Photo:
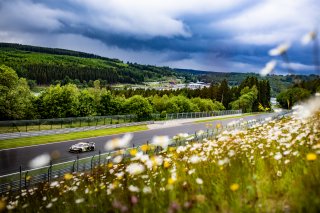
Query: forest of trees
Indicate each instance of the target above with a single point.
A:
(221, 92)
(47, 65)
(298, 92)
(57, 101)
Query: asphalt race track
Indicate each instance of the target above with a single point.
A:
(11, 159)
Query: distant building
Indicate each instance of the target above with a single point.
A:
(273, 101)
(198, 85)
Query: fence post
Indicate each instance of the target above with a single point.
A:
(25, 180)
(20, 180)
(99, 157)
(77, 163)
(147, 147)
(73, 167)
(92, 162)
(49, 172)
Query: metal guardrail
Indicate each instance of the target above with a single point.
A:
(29, 178)
(100, 125)
(69, 130)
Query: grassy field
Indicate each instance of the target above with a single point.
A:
(273, 167)
(27, 141)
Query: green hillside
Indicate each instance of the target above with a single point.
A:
(49, 65)
(45, 65)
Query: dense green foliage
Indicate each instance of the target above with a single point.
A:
(278, 83)
(298, 92)
(221, 92)
(70, 101)
(246, 100)
(15, 96)
(291, 96)
(47, 65)
(17, 101)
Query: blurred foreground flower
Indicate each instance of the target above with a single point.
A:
(199, 181)
(2, 205)
(135, 169)
(163, 141)
(279, 50)
(133, 188)
(133, 152)
(308, 37)
(117, 143)
(39, 161)
(311, 156)
(68, 176)
(234, 187)
(269, 67)
(80, 200)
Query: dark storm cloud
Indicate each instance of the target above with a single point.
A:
(200, 34)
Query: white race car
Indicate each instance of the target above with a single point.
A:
(82, 147)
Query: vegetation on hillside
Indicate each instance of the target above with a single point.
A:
(221, 92)
(273, 167)
(278, 83)
(69, 101)
(17, 101)
(47, 65)
(298, 92)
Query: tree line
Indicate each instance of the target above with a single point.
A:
(220, 92)
(300, 91)
(48, 65)
(59, 101)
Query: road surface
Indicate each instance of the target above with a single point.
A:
(12, 159)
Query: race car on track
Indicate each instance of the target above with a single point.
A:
(82, 147)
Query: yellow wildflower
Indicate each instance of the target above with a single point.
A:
(311, 156)
(234, 187)
(144, 147)
(115, 184)
(166, 164)
(110, 165)
(133, 152)
(68, 176)
(171, 181)
(28, 177)
(171, 149)
(218, 126)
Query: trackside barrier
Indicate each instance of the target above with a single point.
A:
(29, 128)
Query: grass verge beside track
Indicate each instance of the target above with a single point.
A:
(28, 141)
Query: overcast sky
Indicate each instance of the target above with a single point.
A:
(211, 35)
